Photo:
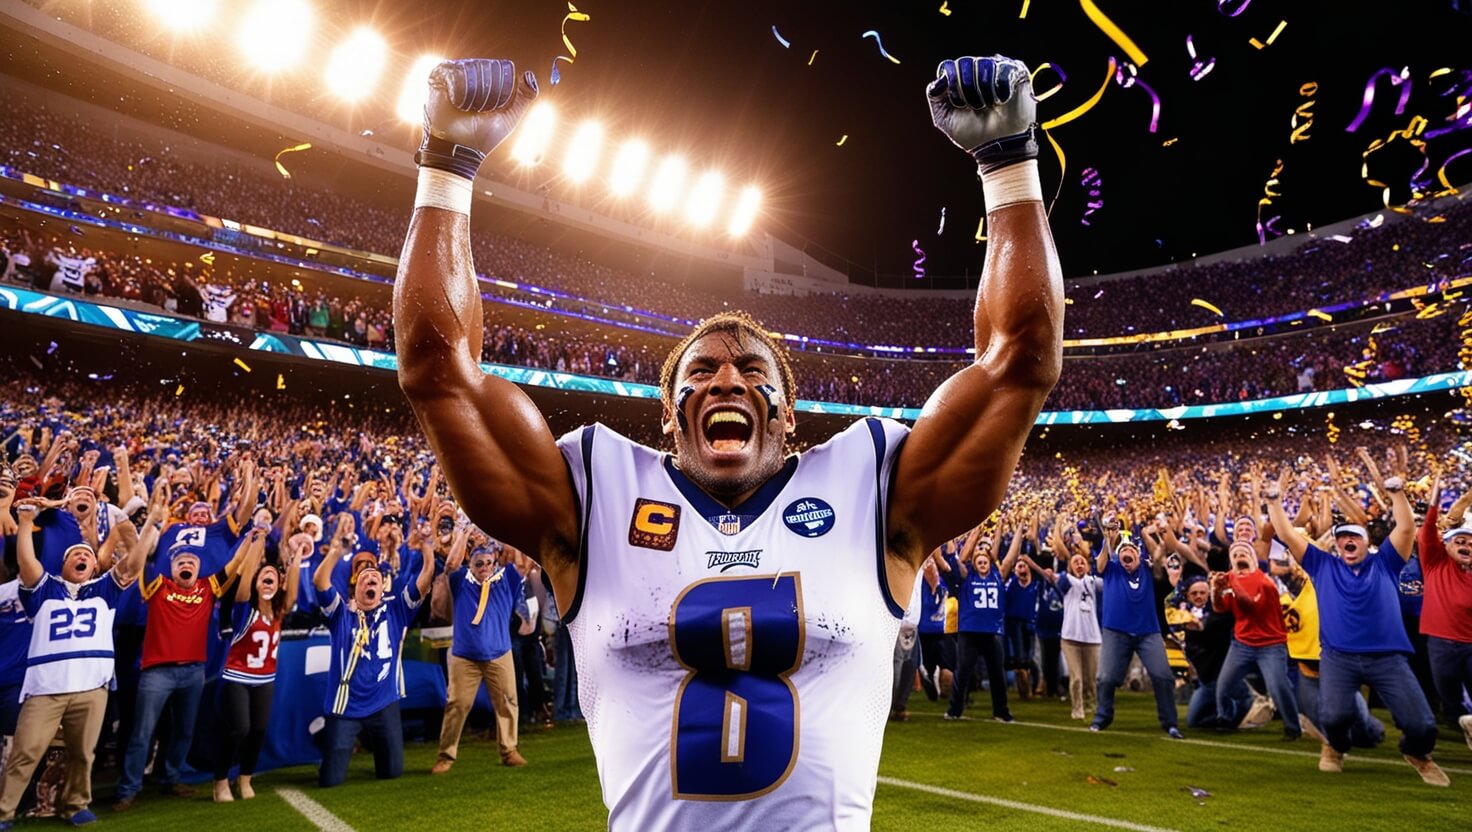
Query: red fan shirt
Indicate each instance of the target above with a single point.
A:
(1254, 603)
(178, 619)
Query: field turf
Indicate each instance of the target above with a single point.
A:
(1130, 774)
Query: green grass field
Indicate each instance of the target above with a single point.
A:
(1255, 780)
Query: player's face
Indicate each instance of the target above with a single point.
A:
(185, 570)
(368, 590)
(268, 581)
(729, 433)
(79, 565)
(1352, 548)
(1198, 594)
(1460, 549)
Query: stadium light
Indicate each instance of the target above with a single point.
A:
(274, 34)
(628, 167)
(669, 181)
(534, 135)
(745, 213)
(183, 15)
(705, 198)
(410, 107)
(356, 63)
(582, 152)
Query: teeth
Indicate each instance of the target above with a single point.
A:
(726, 416)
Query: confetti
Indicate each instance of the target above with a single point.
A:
(1441, 171)
(1282, 24)
(942, 228)
(880, 44)
(1200, 69)
(282, 168)
(179, 391)
(842, 140)
(1412, 134)
(1045, 95)
(1132, 80)
(1169, 142)
(1208, 306)
(1321, 315)
(981, 229)
(946, 10)
(1087, 105)
(812, 57)
(1199, 794)
(786, 44)
(242, 365)
(575, 16)
(1401, 79)
(280, 382)
(919, 262)
(1114, 32)
(1304, 111)
(1223, 5)
(1022, 15)
(1092, 185)
(208, 258)
(1267, 199)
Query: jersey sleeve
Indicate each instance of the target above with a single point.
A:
(32, 597)
(152, 580)
(330, 601)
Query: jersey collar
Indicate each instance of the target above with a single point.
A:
(746, 513)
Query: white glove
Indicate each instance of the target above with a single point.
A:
(985, 106)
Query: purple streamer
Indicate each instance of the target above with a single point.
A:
(1092, 184)
(1221, 6)
(1134, 80)
(919, 263)
(1268, 226)
(1400, 79)
(1201, 68)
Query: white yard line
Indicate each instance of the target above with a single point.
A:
(1021, 807)
(314, 812)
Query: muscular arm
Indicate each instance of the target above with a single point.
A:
(961, 453)
(497, 452)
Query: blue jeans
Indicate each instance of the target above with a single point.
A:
(183, 683)
(565, 680)
(1340, 677)
(1272, 663)
(1208, 710)
(383, 734)
(1020, 633)
(1451, 668)
(1114, 663)
(1365, 731)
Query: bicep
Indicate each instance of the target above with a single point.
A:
(501, 460)
(960, 456)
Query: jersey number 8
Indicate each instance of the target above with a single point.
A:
(740, 638)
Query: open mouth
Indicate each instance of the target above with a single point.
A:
(1240, 566)
(370, 594)
(727, 431)
(186, 574)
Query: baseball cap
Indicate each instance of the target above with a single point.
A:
(1451, 533)
(1351, 528)
(312, 518)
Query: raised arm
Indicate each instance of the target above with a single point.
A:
(245, 493)
(1292, 538)
(1404, 533)
(1014, 549)
(961, 454)
(254, 549)
(25, 548)
(515, 484)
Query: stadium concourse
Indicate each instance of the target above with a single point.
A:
(256, 568)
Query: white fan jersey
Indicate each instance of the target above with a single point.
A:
(71, 647)
(734, 665)
(71, 272)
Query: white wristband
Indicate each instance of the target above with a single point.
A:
(1011, 185)
(442, 189)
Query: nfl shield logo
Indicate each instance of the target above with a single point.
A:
(728, 524)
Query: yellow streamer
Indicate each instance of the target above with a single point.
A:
(1116, 34)
(1023, 14)
(1321, 315)
(981, 229)
(944, 8)
(282, 168)
(812, 57)
(1051, 90)
(1411, 133)
(1087, 105)
(575, 16)
(842, 140)
(1208, 306)
(242, 365)
(1282, 24)
(1304, 111)
(280, 382)
(1062, 168)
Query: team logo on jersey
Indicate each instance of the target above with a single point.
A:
(655, 525)
(728, 524)
(809, 517)
(726, 560)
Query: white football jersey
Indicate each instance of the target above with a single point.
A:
(734, 665)
(71, 272)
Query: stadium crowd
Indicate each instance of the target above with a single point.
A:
(357, 313)
(1280, 572)
(1375, 259)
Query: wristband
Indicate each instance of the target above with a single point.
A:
(445, 155)
(444, 190)
(1394, 484)
(1012, 184)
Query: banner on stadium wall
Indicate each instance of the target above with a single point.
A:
(87, 312)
